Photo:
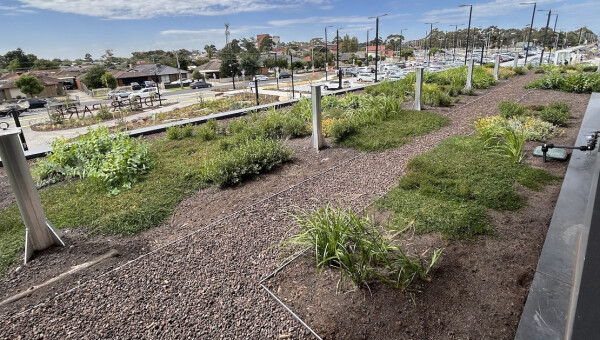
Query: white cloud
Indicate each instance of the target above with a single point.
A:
(14, 10)
(329, 20)
(137, 9)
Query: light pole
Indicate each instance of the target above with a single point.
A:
(377, 41)
(232, 75)
(367, 48)
(326, 49)
(430, 34)
(579, 39)
(455, 33)
(401, 37)
(157, 87)
(468, 30)
(337, 38)
(553, 33)
(530, 27)
(545, 32)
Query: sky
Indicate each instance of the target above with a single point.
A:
(68, 29)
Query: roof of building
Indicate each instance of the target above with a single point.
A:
(145, 70)
(9, 83)
(212, 66)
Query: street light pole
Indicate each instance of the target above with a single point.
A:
(553, 33)
(232, 75)
(377, 41)
(468, 30)
(455, 33)
(401, 37)
(367, 50)
(530, 27)
(430, 34)
(326, 51)
(157, 87)
(337, 33)
(545, 33)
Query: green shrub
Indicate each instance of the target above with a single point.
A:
(117, 161)
(434, 96)
(574, 82)
(508, 109)
(104, 113)
(529, 66)
(489, 65)
(589, 68)
(246, 160)
(555, 115)
(519, 70)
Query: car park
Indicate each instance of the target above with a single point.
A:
(117, 93)
(31, 103)
(200, 84)
(261, 77)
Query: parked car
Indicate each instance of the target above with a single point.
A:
(200, 84)
(143, 93)
(32, 103)
(335, 85)
(8, 110)
(183, 81)
(365, 76)
(68, 86)
(148, 84)
(260, 77)
(284, 75)
(117, 93)
(135, 86)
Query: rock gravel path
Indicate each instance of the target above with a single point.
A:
(205, 285)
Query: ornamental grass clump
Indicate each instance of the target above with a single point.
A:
(572, 82)
(339, 238)
(512, 142)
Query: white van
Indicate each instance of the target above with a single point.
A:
(365, 76)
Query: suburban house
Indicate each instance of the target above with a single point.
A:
(149, 72)
(381, 51)
(8, 89)
(211, 69)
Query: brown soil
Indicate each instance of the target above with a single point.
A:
(196, 276)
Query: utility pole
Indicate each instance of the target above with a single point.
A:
(377, 42)
(337, 33)
(178, 69)
(468, 30)
(454, 44)
(326, 51)
(545, 33)
(530, 27)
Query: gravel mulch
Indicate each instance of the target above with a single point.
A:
(204, 285)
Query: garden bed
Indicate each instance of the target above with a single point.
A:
(205, 284)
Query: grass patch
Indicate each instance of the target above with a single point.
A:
(449, 188)
(395, 131)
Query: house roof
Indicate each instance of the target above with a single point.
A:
(145, 70)
(212, 66)
(9, 83)
(372, 48)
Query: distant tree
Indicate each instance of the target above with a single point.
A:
(210, 51)
(359, 63)
(348, 44)
(109, 80)
(29, 85)
(298, 64)
(266, 44)
(249, 45)
(196, 75)
(250, 64)
(88, 57)
(229, 62)
(45, 64)
(407, 53)
(93, 78)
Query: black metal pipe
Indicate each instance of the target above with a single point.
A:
(468, 34)
(545, 33)
(256, 90)
(529, 36)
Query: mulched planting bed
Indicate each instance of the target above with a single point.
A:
(205, 285)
